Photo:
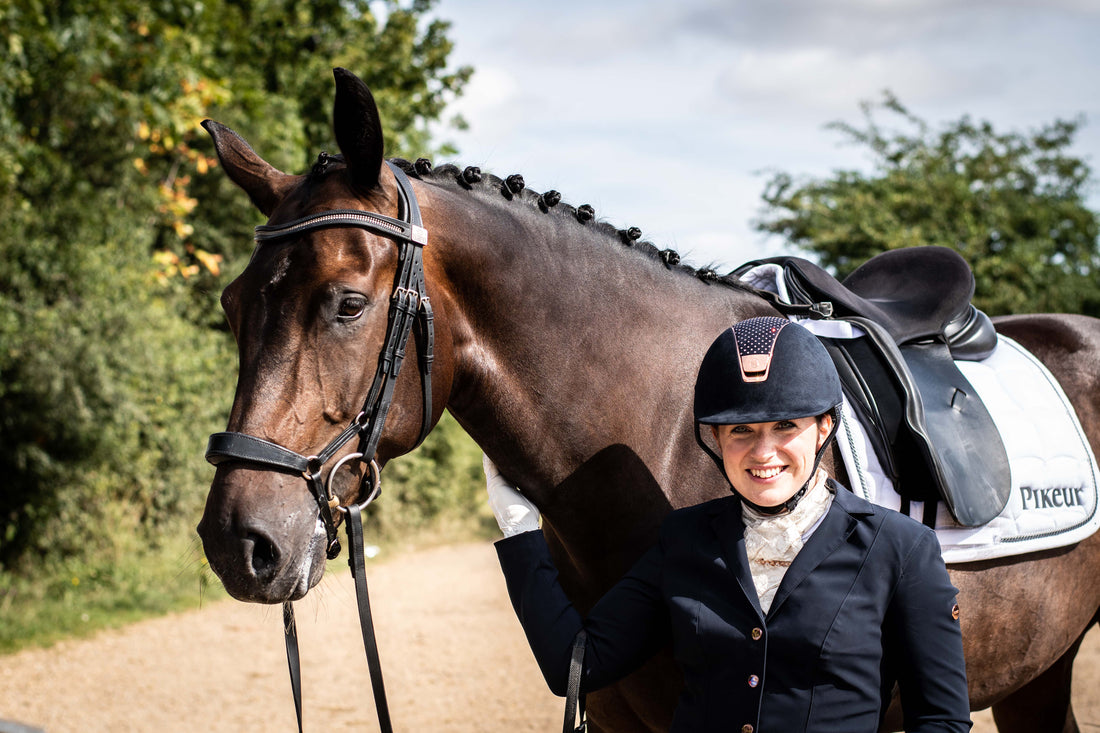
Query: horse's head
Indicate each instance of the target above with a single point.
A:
(310, 314)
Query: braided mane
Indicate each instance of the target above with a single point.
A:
(549, 202)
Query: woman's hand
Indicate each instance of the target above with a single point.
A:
(514, 513)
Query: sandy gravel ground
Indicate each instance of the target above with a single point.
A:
(453, 654)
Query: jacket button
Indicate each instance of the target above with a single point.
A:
(753, 680)
(757, 634)
(746, 728)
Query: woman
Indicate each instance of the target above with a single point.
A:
(792, 605)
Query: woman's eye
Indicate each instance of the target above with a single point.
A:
(351, 307)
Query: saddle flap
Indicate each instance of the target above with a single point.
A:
(932, 433)
(964, 445)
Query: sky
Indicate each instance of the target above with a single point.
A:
(672, 116)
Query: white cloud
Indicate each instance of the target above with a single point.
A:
(489, 101)
(661, 115)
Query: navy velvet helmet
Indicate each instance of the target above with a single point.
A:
(764, 370)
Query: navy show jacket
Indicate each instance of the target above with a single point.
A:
(866, 603)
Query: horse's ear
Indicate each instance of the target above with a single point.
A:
(358, 129)
(264, 184)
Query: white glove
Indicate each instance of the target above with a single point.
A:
(514, 513)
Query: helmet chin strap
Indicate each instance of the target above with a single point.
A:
(785, 507)
(789, 504)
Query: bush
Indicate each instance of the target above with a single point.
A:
(117, 234)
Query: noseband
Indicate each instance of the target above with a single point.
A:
(409, 305)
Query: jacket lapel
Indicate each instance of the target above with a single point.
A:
(839, 523)
(730, 531)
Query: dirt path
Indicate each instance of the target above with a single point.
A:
(453, 654)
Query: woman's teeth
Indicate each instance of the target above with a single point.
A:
(766, 473)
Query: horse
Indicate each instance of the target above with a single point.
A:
(567, 349)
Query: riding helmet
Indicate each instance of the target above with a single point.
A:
(763, 370)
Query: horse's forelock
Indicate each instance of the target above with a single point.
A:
(323, 166)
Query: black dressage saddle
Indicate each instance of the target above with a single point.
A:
(931, 432)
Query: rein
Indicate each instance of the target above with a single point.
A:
(409, 306)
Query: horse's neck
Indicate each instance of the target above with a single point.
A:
(572, 346)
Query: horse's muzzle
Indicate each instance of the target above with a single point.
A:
(263, 549)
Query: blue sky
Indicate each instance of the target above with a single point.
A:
(669, 115)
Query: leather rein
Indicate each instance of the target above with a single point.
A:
(409, 306)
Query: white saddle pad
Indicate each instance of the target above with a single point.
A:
(1055, 489)
(1055, 481)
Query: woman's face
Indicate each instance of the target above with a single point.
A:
(768, 462)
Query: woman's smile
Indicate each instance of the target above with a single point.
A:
(764, 474)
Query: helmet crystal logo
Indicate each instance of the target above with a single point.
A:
(755, 339)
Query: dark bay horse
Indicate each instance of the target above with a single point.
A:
(567, 350)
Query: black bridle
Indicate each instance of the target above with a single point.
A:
(409, 305)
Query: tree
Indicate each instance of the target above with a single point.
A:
(1013, 205)
(116, 234)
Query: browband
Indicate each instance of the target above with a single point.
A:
(377, 223)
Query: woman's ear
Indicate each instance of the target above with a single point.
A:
(824, 428)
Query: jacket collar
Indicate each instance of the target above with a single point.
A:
(843, 497)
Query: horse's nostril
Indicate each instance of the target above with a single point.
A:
(265, 556)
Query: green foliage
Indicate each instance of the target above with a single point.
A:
(1012, 204)
(78, 596)
(105, 391)
(117, 234)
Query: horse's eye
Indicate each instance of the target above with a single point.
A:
(351, 307)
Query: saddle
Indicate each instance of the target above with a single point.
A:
(930, 430)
